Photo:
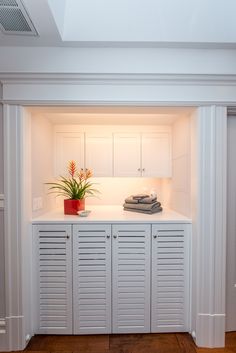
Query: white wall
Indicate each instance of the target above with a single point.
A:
(41, 161)
(180, 197)
(113, 191)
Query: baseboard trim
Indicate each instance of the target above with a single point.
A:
(3, 335)
(11, 338)
(2, 326)
(212, 330)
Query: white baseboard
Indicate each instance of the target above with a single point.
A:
(11, 338)
(1, 203)
(3, 335)
(210, 331)
(2, 326)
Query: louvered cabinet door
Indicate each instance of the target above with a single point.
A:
(170, 278)
(92, 278)
(131, 278)
(53, 279)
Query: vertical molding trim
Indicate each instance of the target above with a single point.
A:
(211, 226)
(12, 220)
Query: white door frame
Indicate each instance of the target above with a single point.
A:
(209, 228)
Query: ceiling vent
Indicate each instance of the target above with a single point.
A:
(14, 19)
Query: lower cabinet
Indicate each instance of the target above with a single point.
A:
(92, 278)
(125, 278)
(170, 278)
(131, 278)
(53, 279)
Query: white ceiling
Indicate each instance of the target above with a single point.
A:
(92, 115)
(150, 23)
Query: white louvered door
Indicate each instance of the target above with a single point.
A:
(53, 272)
(92, 278)
(170, 278)
(131, 278)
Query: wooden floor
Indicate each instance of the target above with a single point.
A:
(139, 343)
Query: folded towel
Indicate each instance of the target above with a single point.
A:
(142, 206)
(139, 196)
(152, 211)
(149, 199)
(130, 199)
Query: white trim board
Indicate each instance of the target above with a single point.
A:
(118, 89)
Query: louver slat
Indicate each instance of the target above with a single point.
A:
(170, 278)
(92, 279)
(54, 276)
(131, 278)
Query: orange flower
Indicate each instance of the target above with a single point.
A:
(72, 168)
(88, 174)
(81, 174)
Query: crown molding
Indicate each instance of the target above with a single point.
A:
(108, 78)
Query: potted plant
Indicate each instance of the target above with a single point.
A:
(76, 187)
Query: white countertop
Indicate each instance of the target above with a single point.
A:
(112, 214)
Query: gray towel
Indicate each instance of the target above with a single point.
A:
(154, 210)
(139, 196)
(130, 199)
(143, 206)
(149, 199)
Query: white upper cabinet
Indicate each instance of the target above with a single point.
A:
(142, 154)
(68, 146)
(127, 155)
(156, 154)
(131, 152)
(98, 154)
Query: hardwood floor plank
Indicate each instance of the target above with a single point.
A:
(125, 343)
(186, 343)
(142, 343)
(68, 343)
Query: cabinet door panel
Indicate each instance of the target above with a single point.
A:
(92, 278)
(170, 278)
(156, 155)
(131, 278)
(53, 279)
(68, 146)
(127, 155)
(98, 154)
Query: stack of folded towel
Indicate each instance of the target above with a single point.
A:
(142, 203)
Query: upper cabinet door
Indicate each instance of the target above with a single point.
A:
(156, 154)
(68, 146)
(98, 154)
(127, 154)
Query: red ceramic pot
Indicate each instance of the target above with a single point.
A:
(73, 206)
